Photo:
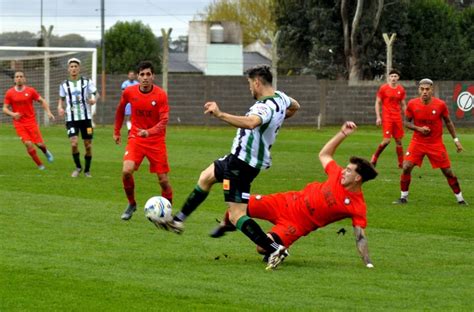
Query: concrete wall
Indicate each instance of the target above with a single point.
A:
(335, 100)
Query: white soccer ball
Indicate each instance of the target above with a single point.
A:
(158, 209)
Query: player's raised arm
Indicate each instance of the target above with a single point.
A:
(362, 247)
(327, 152)
(292, 109)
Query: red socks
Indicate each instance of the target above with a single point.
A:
(129, 187)
(34, 156)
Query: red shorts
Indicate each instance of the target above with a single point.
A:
(29, 132)
(436, 153)
(281, 209)
(154, 151)
(392, 128)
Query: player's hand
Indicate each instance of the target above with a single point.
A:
(348, 127)
(212, 108)
(91, 101)
(51, 116)
(117, 139)
(424, 130)
(459, 147)
(378, 122)
(143, 133)
(16, 116)
(60, 111)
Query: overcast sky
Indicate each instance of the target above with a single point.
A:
(83, 16)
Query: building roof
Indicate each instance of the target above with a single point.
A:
(178, 63)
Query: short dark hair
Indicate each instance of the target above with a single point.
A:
(394, 71)
(263, 72)
(364, 168)
(144, 65)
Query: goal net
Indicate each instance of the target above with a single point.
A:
(45, 69)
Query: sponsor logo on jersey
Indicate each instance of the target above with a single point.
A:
(153, 103)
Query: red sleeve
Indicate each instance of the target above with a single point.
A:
(360, 219)
(332, 168)
(445, 112)
(160, 128)
(380, 92)
(7, 99)
(120, 112)
(408, 112)
(35, 95)
(403, 92)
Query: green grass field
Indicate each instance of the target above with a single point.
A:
(63, 246)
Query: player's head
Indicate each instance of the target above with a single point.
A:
(358, 171)
(393, 76)
(131, 75)
(146, 73)
(425, 89)
(19, 78)
(74, 67)
(259, 77)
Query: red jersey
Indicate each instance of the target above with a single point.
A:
(429, 115)
(329, 201)
(22, 102)
(150, 111)
(391, 101)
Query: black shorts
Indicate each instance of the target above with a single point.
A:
(236, 177)
(83, 126)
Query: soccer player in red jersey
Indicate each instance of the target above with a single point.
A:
(391, 97)
(147, 137)
(425, 116)
(18, 104)
(297, 213)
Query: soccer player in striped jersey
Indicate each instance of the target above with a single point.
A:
(147, 137)
(250, 153)
(18, 104)
(297, 213)
(79, 93)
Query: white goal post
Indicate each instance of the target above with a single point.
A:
(45, 68)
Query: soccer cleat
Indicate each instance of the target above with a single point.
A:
(41, 167)
(127, 214)
(172, 225)
(76, 172)
(400, 201)
(277, 257)
(49, 156)
(463, 203)
(221, 229)
(88, 174)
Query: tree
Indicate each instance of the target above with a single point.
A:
(437, 49)
(128, 43)
(23, 38)
(359, 32)
(255, 17)
(69, 40)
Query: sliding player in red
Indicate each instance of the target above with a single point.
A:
(147, 137)
(297, 213)
(18, 104)
(391, 98)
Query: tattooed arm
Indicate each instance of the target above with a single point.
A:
(362, 247)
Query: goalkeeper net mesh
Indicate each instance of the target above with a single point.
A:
(45, 69)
